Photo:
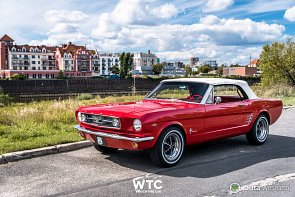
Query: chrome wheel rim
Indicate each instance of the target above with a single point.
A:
(262, 128)
(172, 147)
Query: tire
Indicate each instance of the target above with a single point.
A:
(259, 132)
(169, 147)
(104, 149)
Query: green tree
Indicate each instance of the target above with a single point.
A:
(188, 70)
(157, 68)
(277, 63)
(115, 69)
(60, 75)
(220, 69)
(205, 69)
(18, 77)
(126, 62)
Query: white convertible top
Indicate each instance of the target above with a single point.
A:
(218, 81)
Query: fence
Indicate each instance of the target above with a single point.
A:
(35, 87)
(43, 89)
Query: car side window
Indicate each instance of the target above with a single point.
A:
(228, 93)
(210, 99)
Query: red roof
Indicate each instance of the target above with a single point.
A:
(255, 61)
(6, 38)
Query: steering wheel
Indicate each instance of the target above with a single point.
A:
(193, 97)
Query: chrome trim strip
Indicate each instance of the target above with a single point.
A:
(114, 136)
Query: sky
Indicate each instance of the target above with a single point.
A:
(224, 30)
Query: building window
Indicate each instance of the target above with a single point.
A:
(34, 76)
(33, 62)
(33, 68)
(47, 76)
(38, 62)
(44, 68)
(40, 76)
(33, 56)
(52, 76)
(23, 49)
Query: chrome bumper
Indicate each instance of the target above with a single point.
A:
(114, 136)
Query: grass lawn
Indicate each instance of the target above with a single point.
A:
(45, 123)
(40, 124)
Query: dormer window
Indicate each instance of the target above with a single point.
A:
(23, 49)
(36, 50)
(65, 56)
(13, 49)
(31, 50)
(70, 55)
(44, 50)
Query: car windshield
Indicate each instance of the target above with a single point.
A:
(185, 91)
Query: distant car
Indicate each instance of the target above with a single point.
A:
(179, 112)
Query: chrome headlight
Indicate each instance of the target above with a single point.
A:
(81, 117)
(116, 122)
(137, 125)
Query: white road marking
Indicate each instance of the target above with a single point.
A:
(266, 182)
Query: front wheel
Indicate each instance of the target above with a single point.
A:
(259, 131)
(169, 148)
(104, 149)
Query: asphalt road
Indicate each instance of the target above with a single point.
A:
(206, 170)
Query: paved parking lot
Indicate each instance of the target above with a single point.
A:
(206, 169)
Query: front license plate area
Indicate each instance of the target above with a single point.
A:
(100, 141)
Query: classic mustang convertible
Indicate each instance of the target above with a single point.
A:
(179, 112)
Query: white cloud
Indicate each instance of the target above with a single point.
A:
(134, 12)
(65, 16)
(165, 11)
(217, 5)
(290, 14)
(66, 27)
(239, 31)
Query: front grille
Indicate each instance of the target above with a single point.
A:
(99, 120)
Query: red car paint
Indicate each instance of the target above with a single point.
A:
(199, 122)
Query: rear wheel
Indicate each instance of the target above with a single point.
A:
(169, 148)
(259, 131)
(104, 149)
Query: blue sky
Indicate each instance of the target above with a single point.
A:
(225, 30)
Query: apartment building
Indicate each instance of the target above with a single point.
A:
(143, 63)
(40, 62)
(30, 61)
(173, 69)
(102, 63)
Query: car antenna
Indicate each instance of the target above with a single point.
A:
(134, 85)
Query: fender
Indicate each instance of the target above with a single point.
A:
(167, 124)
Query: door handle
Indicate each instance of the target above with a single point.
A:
(243, 105)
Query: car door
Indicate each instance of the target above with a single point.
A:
(225, 117)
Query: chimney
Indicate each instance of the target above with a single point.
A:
(149, 51)
(70, 43)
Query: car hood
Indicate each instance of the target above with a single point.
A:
(136, 109)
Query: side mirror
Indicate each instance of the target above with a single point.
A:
(218, 100)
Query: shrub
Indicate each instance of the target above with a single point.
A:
(5, 99)
(84, 96)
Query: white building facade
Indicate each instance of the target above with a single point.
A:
(143, 63)
(103, 62)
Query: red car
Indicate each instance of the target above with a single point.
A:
(179, 112)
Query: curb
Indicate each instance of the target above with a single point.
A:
(27, 154)
(289, 107)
